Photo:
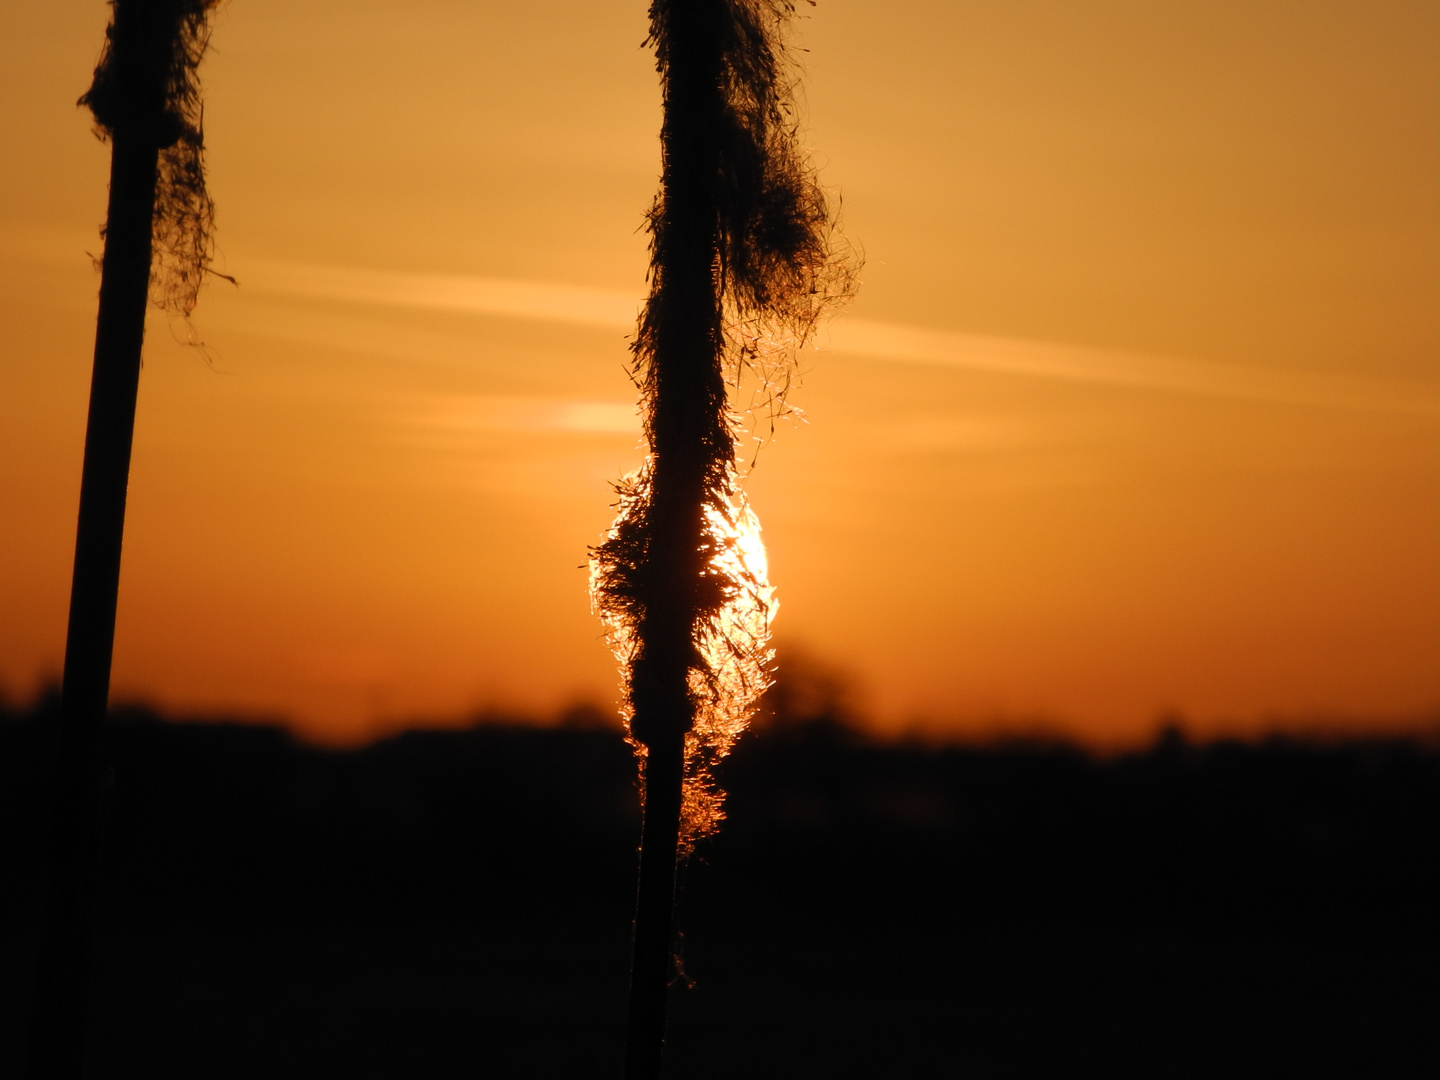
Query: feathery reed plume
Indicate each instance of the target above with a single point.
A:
(742, 269)
(169, 40)
(146, 102)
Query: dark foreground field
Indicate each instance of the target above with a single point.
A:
(457, 905)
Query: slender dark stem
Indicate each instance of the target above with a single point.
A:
(739, 231)
(688, 436)
(650, 969)
(62, 993)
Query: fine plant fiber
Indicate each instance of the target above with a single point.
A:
(147, 89)
(745, 262)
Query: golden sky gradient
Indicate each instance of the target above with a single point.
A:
(1136, 412)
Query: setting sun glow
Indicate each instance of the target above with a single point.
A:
(1135, 415)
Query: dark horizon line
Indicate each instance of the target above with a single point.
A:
(1169, 729)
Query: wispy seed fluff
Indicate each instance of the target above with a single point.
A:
(147, 88)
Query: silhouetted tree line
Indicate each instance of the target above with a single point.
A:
(443, 903)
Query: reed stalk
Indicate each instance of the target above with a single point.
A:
(145, 103)
(742, 268)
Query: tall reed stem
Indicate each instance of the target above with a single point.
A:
(62, 994)
(689, 435)
(741, 270)
(650, 970)
(134, 96)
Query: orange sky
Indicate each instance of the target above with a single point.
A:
(1136, 411)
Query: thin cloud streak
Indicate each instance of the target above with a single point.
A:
(894, 342)
(471, 413)
(1076, 363)
(578, 305)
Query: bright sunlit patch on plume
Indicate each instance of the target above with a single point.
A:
(734, 645)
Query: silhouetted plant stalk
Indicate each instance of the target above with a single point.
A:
(742, 269)
(146, 102)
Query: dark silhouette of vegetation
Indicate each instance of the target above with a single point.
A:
(145, 100)
(454, 905)
(740, 255)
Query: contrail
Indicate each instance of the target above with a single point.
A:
(577, 305)
(1113, 367)
(581, 305)
(469, 413)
